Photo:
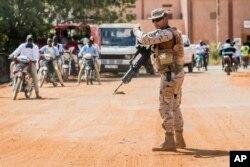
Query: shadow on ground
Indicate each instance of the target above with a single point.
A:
(201, 153)
(44, 98)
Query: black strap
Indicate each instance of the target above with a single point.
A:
(168, 73)
(168, 76)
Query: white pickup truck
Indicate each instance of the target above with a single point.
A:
(189, 53)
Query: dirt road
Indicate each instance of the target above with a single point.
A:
(83, 125)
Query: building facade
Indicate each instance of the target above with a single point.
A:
(202, 20)
(142, 11)
(208, 20)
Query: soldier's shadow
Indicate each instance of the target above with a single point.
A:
(4, 97)
(43, 98)
(201, 153)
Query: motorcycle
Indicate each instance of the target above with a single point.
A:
(70, 64)
(245, 61)
(234, 64)
(47, 71)
(23, 81)
(227, 64)
(66, 66)
(89, 68)
(199, 61)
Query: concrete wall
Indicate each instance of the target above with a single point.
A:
(184, 9)
(197, 20)
(241, 10)
(148, 26)
(203, 27)
(150, 5)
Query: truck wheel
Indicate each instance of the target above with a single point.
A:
(190, 67)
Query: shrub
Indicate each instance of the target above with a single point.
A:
(214, 56)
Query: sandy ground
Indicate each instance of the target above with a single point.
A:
(84, 125)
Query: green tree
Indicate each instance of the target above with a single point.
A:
(214, 54)
(97, 11)
(21, 17)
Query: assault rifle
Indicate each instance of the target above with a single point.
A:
(144, 53)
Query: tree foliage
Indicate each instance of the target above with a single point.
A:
(21, 17)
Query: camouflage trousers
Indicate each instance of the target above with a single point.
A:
(170, 101)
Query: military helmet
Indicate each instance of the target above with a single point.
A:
(157, 13)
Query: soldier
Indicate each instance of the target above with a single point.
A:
(169, 58)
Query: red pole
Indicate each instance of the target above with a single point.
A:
(230, 19)
(142, 9)
(190, 20)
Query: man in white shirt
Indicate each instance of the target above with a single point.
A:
(91, 49)
(60, 59)
(53, 51)
(30, 50)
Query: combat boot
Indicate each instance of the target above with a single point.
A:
(180, 142)
(167, 145)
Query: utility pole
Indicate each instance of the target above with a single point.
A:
(190, 20)
(217, 21)
(230, 20)
(142, 9)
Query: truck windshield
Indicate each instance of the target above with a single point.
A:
(117, 37)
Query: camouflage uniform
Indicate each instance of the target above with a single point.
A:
(168, 42)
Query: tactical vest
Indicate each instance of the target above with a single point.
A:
(169, 55)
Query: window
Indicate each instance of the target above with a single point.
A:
(181, 16)
(117, 37)
(167, 5)
(170, 15)
(213, 15)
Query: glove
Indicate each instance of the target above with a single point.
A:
(136, 28)
(11, 57)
